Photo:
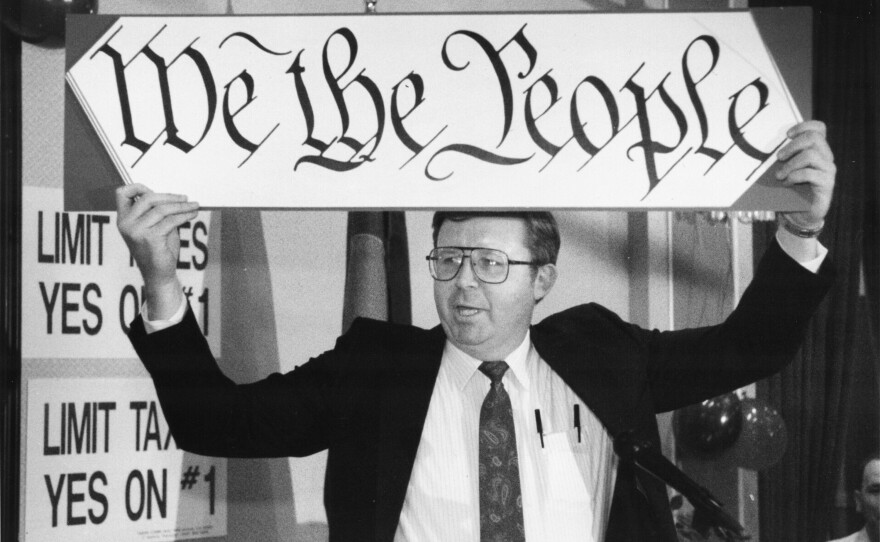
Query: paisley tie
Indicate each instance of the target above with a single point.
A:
(501, 516)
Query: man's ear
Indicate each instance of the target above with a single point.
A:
(857, 498)
(544, 281)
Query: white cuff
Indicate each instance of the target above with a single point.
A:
(152, 326)
(810, 265)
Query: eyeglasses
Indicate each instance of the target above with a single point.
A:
(489, 265)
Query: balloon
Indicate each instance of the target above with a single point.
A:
(763, 439)
(709, 428)
(42, 21)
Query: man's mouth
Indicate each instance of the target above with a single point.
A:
(466, 311)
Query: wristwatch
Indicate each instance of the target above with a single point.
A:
(806, 233)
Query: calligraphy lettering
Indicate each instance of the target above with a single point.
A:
(418, 87)
(736, 128)
(229, 116)
(442, 123)
(577, 127)
(531, 120)
(494, 57)
(158, 61)
(691, 86)
(647, 144)
(337, 92)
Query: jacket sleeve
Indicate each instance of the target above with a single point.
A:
(294, 414)
(758, 338)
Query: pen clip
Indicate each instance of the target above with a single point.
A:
(577, 419)
(540, 426)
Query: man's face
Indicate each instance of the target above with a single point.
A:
(488, 321)
(868, 498)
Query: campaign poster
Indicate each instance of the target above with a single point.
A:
(102, 465)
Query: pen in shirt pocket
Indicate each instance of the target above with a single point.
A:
(577, 420)
(539, 425)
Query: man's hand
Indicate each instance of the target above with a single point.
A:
(807, 159)
(148, 222)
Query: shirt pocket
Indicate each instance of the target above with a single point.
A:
(568, 507)
(563, 479)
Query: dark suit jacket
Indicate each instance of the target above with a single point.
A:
(366, 400)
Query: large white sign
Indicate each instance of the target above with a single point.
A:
(102, 465)
(560, 110)
(81, 288)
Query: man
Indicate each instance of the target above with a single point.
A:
(867, 499)
(483, 428)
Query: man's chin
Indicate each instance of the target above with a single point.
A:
(473, 345)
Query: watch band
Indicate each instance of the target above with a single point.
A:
(797, 229)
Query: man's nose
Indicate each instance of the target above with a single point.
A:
(466, 277)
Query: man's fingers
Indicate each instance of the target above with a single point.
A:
(810, 158)
(807, 126)
(148, 201)
(131, 191)
(158, 212)
(170, 222)
(806, 140)
(136, 199)
(808, 151)
(805, 175)
(127, 194)
(143, 213)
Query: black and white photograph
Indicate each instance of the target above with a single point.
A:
(465, 271)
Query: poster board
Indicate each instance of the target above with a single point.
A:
(82, 288)
(99, 459)
(102, 465)
(427, 111)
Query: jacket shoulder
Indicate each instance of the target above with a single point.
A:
(378, 336)
(369, 328)
(588, 315)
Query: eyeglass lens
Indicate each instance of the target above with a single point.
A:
(489, 265)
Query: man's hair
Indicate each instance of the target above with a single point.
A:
(873, 456)
(542, 232)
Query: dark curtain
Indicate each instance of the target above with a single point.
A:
(815, 394)
(872, 192)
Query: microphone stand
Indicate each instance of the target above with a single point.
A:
(707, 510)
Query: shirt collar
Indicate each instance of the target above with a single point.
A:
(462, 367)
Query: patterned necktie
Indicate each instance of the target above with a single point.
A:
(501, 516)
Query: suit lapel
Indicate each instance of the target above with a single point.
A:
(605, 374)
(585, 366)
(406, 394)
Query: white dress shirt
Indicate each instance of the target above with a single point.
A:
(860, 536)
(566, 485)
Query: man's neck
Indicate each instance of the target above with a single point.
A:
(495, 354)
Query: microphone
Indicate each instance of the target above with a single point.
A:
(645, 456)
